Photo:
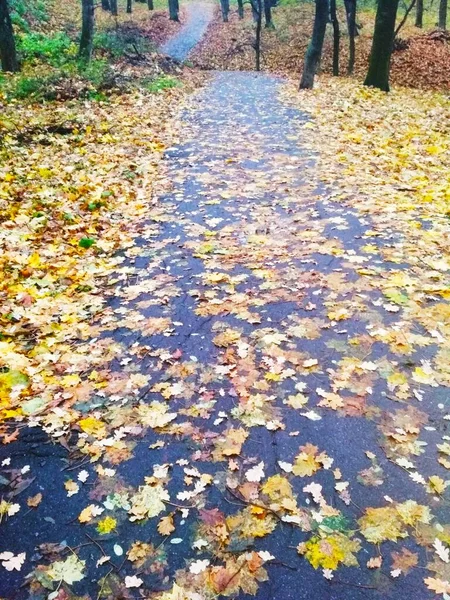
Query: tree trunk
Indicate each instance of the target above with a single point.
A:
(314, 52)
(443, 5)
(268, 14)
(87, 29)
(114, 9)
(106, 5)
(350, 7)
(240, 8)
(8, 52)
(150, 5)
(336, 37)
(382, 45)
(129, 7)
(173, 10)
(419, 14)
(225, 6)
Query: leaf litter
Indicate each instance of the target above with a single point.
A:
(243, 354)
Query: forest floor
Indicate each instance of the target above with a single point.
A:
(225, 345)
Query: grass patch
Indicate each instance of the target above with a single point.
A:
(164, 82)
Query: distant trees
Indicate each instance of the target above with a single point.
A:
(8, 52)
(382, 45)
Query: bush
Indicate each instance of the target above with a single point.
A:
(55, 49)
(120, 42)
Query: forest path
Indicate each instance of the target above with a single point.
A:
(199, 16)
(243, 314)
(255, 360)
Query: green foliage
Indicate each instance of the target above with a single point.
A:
(164, 82)
(55, 49)
(25, 13)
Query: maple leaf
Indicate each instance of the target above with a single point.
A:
(148, 502)
(404, 560)
(70, 570)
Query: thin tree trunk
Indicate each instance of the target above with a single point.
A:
(129, 7)
(240, 8)
(114, 9)
(268, 13)
(150, 5)
(382, 45)
(8, 52)
(443, 5)
(419, 14)
(405, 18)
(225, 6)
(87, 29)
(314, 51)
(336, 37)
(106, 5)
(173, 10)
(259, 4)
(350, 9)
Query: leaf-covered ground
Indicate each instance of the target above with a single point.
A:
(423, 62)
(226, 372)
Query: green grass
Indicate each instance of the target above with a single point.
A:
(164, 82)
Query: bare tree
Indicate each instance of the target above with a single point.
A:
(336, 37)
(240, 4)
(314, 51)
(8, 52)
(87, 29)
(382, 45)
(443, 6)
(268, 13)
(419, 13)
(225, 7)
(350, 9)
(129, 6)
(173, 10)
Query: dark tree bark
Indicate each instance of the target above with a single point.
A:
(240, 8)
(443, 5)
(382, 45)
(129, 7)
(150, 5)
(225, 7)
(336, 37)
(314, 51)
(259, 4)
(87, 29)
(114, 9)
(350, 9)
(173, 10)
(419, 14)
(8, 52)
(268, 13)
(106, 5)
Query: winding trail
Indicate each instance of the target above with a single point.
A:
(199, 16)
(245, 307)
